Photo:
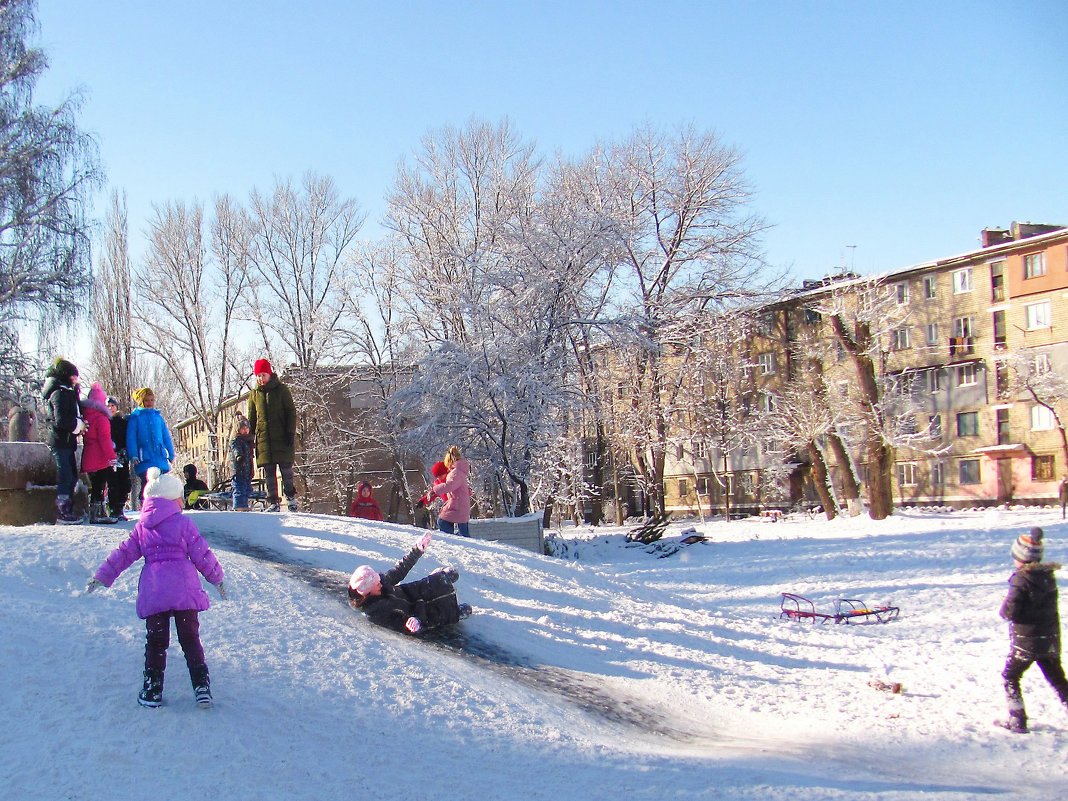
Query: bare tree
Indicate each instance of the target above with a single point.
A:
(689, 243)
(1036, 377)
(48, 168)
(187, 296)
(296, 269)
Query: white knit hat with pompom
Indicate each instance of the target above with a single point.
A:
(166, 485)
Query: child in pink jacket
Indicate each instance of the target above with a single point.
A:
(456, 513)
(98, 451)
(169, 586)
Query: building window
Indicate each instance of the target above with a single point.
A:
(932, 333)
(962, 280)
(1000, 329)
(591, 460)
(967, 375)
(700, 451)
(766, 363)
(1042, 418)
(1037, 315)
(684, 487)
(938, 474)
(680, 452)
(962, 326)
(930, 287)
(969, 471)
(933, 379)
(1040, 364)
(1034, 265)
(1042, 468)
(902, 291)
(968, 424)
(906, 474)
(934, 425)
(997, 281)
(903, 338)
(767, 402)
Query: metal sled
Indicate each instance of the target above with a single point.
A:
(846, 610)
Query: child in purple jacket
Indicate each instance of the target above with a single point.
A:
(169, 586)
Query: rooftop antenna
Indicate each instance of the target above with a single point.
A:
(852, 257)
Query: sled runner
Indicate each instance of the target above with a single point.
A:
(846, 610)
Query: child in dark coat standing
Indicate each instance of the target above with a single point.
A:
(60, 393)
(408, 608)
(169, 586)
(1034, 626)
(241, 463)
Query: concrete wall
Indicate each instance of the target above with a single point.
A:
(522, 532)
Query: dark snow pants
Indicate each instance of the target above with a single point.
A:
(158, 638)
(1017, 665)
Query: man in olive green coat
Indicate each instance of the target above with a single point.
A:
(272, 418)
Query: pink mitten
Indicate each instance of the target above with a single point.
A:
(424, 541)
(413, 625)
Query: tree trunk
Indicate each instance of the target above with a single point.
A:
(819, 479)
(846, 477)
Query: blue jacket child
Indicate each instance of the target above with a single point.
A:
(148, 441)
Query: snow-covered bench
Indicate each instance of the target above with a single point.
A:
(522, 532)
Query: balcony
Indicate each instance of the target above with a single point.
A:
(961, 346)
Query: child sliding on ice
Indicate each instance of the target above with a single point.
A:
(408, 608)
(169, 586)
(1034, 626)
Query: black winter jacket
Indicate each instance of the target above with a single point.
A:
(432, 599)
(1031, 609)
(63, 412)
(118, 437)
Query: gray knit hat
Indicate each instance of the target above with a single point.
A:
(1028, 547)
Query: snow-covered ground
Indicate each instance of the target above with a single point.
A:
(608, 673)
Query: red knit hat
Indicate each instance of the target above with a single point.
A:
(439, 470)
(262, 366)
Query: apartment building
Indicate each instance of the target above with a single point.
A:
(969, 331)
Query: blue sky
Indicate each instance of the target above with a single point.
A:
(900, 128)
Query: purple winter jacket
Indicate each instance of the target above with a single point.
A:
(173, 551)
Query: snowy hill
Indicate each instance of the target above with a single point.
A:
(607, 674)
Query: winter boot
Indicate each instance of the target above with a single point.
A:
(292, 504)
(465, 611)
(151, 694)
(98, 515)
(274, 507)
(65, 511)
(201, 685)
(1016, 723)
(119, 515)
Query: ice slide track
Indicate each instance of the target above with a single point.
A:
(456, 642)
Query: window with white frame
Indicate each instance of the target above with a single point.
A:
(1042, 418)
(906, 474)
(902, 292)
(1040, 364)
(967, 375)
(684, 488)
(591, 459)
(1038, 315)
(903, 338)
(1034, 265)
(767, 402)
(963, 326)
(938, 474)
(766, 363)
(934, 425)
(932, 333)
(930, 287)
(962, 280)
(700, 450)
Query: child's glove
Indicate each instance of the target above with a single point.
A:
(221, 588)
(424, 542)
(92, 585)
(413, 625)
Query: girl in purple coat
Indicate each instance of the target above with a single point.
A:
(169, 586)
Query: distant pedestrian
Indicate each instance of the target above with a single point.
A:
(60, 393)
(169, 587)
(148, 440)
(1063, 494)
(98, 451)
(119, 477)
(364, 504)
(455, 515)
(272, 417)
(1034, 626)
(194, 488)
(241, 463)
